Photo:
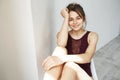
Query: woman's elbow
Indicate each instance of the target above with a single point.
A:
(61, 45)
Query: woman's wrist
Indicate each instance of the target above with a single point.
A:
(66, 18)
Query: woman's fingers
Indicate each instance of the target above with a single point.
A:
(64, 13)
(51, 61)
(48, 63)
(45, 62)
(67, 9)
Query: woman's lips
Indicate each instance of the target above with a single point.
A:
(75, 26)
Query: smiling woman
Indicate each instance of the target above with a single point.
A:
(71, 58)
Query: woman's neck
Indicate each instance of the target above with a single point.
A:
(79, 32)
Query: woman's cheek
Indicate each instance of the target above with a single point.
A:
(70, 23)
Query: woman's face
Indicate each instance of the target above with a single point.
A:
(75, 21)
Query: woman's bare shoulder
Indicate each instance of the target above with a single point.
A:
(93, 36)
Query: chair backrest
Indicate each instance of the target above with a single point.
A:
(93, 70)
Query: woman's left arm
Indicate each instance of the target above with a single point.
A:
(87, 56)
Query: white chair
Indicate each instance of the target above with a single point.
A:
(93, 70)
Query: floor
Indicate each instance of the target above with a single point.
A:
(107, 61)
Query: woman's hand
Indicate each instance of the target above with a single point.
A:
(51, 62)
(64, 13)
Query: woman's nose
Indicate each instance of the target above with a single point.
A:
(74, 21)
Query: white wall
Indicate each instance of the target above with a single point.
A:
(42, 19)
(17, 48)
(103, 17)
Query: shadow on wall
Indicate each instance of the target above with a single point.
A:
(42, 20)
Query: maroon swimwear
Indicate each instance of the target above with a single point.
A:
(79, 46)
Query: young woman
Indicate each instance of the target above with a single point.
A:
(72, 57)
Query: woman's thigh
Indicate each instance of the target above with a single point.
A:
(68, 72)
(81, 74)
(75, 72)
(53, 74)
(58, 51)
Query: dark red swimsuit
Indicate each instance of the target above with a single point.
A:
(79, 46)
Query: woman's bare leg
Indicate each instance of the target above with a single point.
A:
(55, 73)
(72, 71)
(81, 74)
(68, 72)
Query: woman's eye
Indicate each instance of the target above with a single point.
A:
(70, 19)
(78, 18)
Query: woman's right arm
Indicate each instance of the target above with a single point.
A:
(62, 36)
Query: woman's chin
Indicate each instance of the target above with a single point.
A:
(75, 28)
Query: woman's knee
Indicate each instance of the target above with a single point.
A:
(60, 51)
(71, 65)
